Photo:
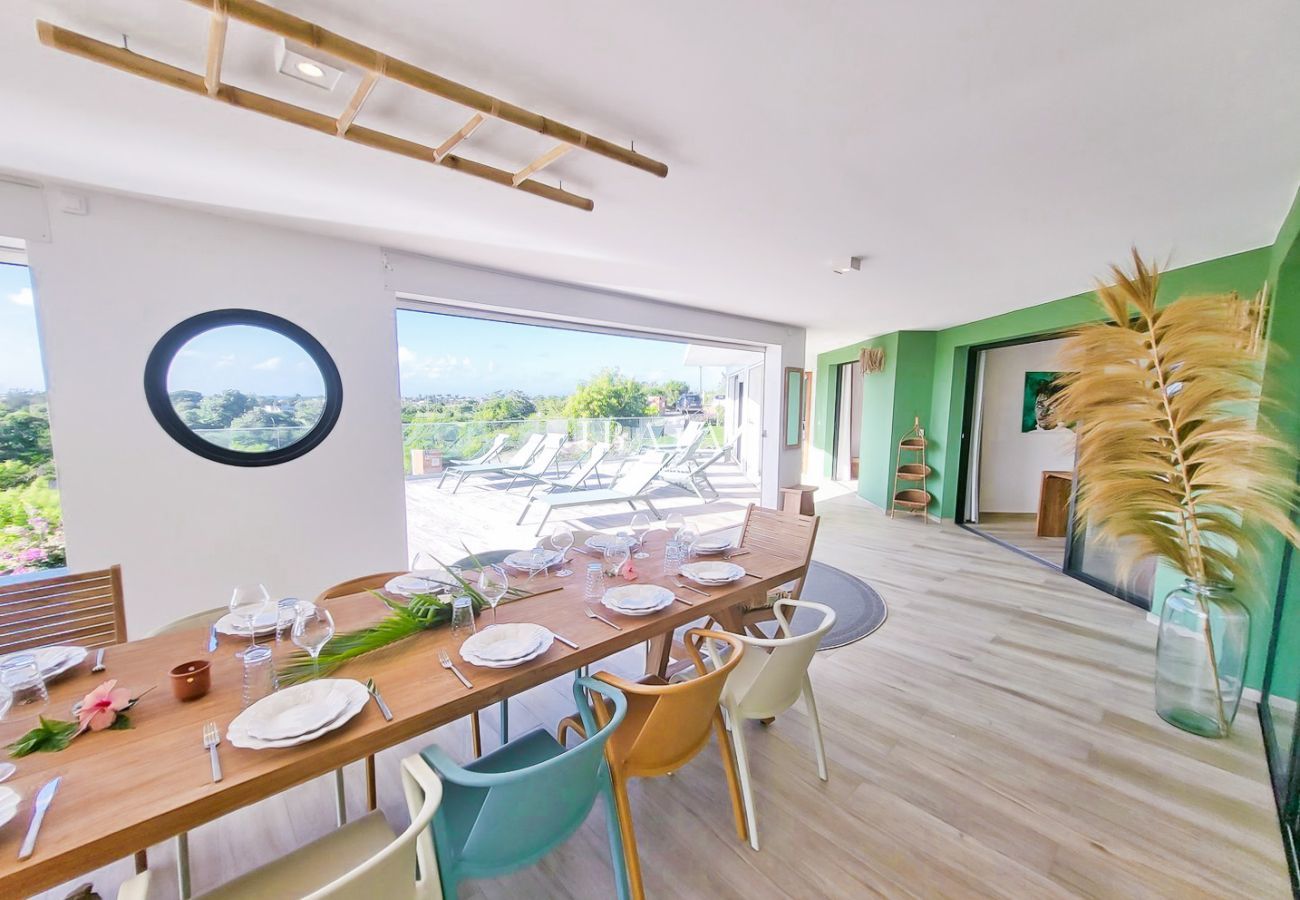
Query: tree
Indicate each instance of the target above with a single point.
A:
(183, 400)
(25, 437)
(671, 391)
(501, 407)
(219, 410)
(609, 395)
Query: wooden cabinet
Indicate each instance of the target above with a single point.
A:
(1054, 503)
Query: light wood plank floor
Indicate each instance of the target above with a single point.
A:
(994, 738)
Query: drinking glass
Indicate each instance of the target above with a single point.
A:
(21, 674)
(616, 556)
(640, 527)
(594, 587)
(247, 602)
(259, 675)
(562, 540)
(286, 608)
(312, 629)
(675, 553)
(493, 582)
(687, 536)
(462, 619)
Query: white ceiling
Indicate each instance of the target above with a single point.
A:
(983, 156)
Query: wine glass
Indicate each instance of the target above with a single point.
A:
(674, 524)
(493, 582)
(616, 556)
(424, 562)
(562, 540)
(640, 527)
(247, 602)
(312, 629)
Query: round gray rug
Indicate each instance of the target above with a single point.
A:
(859, 610)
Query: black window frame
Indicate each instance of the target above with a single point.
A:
(158, 366)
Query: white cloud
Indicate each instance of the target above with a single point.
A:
(22, 297)
(417, 365)
(225, 361)
(268, 365)
(406, 355)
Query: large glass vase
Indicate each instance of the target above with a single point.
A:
(1201, 658)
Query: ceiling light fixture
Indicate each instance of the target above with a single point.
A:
(855, 265)
(291, 60)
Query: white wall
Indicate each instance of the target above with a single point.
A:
(186, 529)
(1012, 461)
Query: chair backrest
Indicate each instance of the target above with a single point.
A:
(545, 456)
(526, 451)
(595, 456)
(667, 724)
(638, 473)
(391, 873)
(713, 457)
(493, 450)
(687, 443)
(357, 585)
(781, 533)
(770, 677)
(495, 822)
(83, 609)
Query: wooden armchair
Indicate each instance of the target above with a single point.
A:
(83, 609)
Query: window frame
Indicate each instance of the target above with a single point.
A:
(158, 367)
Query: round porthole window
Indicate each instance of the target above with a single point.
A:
(243, 387)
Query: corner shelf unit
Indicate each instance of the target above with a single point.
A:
(912, 471)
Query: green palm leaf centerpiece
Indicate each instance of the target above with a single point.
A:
(1173, 459)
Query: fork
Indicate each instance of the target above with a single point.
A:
(592, 614)
(688, 587)
(447, 664)
(211, 738)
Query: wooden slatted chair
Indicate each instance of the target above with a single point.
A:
(83, 609)
(768, 530)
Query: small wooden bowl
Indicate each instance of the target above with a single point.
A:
(191, 680)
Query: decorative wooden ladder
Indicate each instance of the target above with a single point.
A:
(914, 498)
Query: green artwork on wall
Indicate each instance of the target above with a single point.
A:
(1036, 414)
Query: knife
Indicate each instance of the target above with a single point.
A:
(379, 700)
(212, 638)
(563, 640)
(38, 815)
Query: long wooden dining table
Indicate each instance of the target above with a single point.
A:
(124, 790)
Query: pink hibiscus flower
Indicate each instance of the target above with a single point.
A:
(99, 707)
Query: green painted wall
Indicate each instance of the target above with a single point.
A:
(877, 414)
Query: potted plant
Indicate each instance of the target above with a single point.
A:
(1177, 460)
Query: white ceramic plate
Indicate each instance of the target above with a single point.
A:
(523, 559)
(357, 695)
(711, 546)
(503, 643)
(54, 661)
(9, 803)
(637, 599)
(295, 711)
(601, 541)
(421, 581)
(713, 572)
(263, 623)
(467, 649)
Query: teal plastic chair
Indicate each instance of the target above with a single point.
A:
(506, 810)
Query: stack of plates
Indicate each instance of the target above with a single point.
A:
(710, 546)
(8, 804)
(523, 559)
(263, 623)
(298, 714)
(421, 581)
(52, 661)
(637, 599)
(713, 572)
(504, 646)
(599, 542)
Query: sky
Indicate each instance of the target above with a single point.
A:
(440, 354)
(20, 350)
(246, 358)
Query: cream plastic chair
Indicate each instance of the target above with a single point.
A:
(765, 684)
(362, 859)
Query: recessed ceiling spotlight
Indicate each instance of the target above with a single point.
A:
(291, 61)
(855, 265)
